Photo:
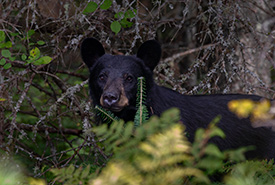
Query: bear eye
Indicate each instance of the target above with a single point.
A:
(102, 77)
(129, 79)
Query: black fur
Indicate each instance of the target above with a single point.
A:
(196, 111)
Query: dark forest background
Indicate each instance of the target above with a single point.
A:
(209, 46)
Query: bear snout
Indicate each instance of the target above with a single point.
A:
(109, 99)
(114, 101)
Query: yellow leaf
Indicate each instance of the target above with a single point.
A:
(261, 110)
(34, 54)
(33, 181)
(2, 99)
(243, 108)
(232, 105)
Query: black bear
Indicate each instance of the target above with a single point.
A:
(113, 85)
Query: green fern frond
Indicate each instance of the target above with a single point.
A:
(164, 149)
(142, 112)
(251, 172)
(155, 160)
(116, 135)
(106, 116)
(72, 175)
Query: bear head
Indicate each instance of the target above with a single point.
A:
(113, 78)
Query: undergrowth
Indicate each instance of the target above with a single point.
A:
(158, 152)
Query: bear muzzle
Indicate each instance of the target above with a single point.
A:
(114, 101)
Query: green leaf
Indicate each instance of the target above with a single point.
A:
(8, 44)
(106, 116)
(28, 35)
(116, 27)
(12, 58)
(14, 34)
(171, 115)
(216, 132)
(130, 14)
(56, 171)
(106, 4)
(43, 60)
(7, 66)
(210, 163)
(19, 47)
(40, 42)
(2, 61)
(30, 32)
(85, 172)
(119, 15)
(70, 170)
(2, 45)
(213, 150)
(91, 7)
(2, 36)
(23, 57)
(34, 54)
(126, 24)
(199, 134)
(6, 53)
(238, 154)
(77, 172)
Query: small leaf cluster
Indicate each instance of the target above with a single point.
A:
(92, 6)
(122, 18)
(5, 53)
(33, 56)
(122, 21)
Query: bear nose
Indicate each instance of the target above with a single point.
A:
(109, 99)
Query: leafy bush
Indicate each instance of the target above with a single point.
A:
(150, 156)
(157, 152)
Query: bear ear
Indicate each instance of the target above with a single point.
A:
(150, 53)
(91, 50)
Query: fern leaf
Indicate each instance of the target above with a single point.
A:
(116, 135)
(153, 160)
(142, 112)
(106, 116)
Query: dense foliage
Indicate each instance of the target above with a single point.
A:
(46, 116)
